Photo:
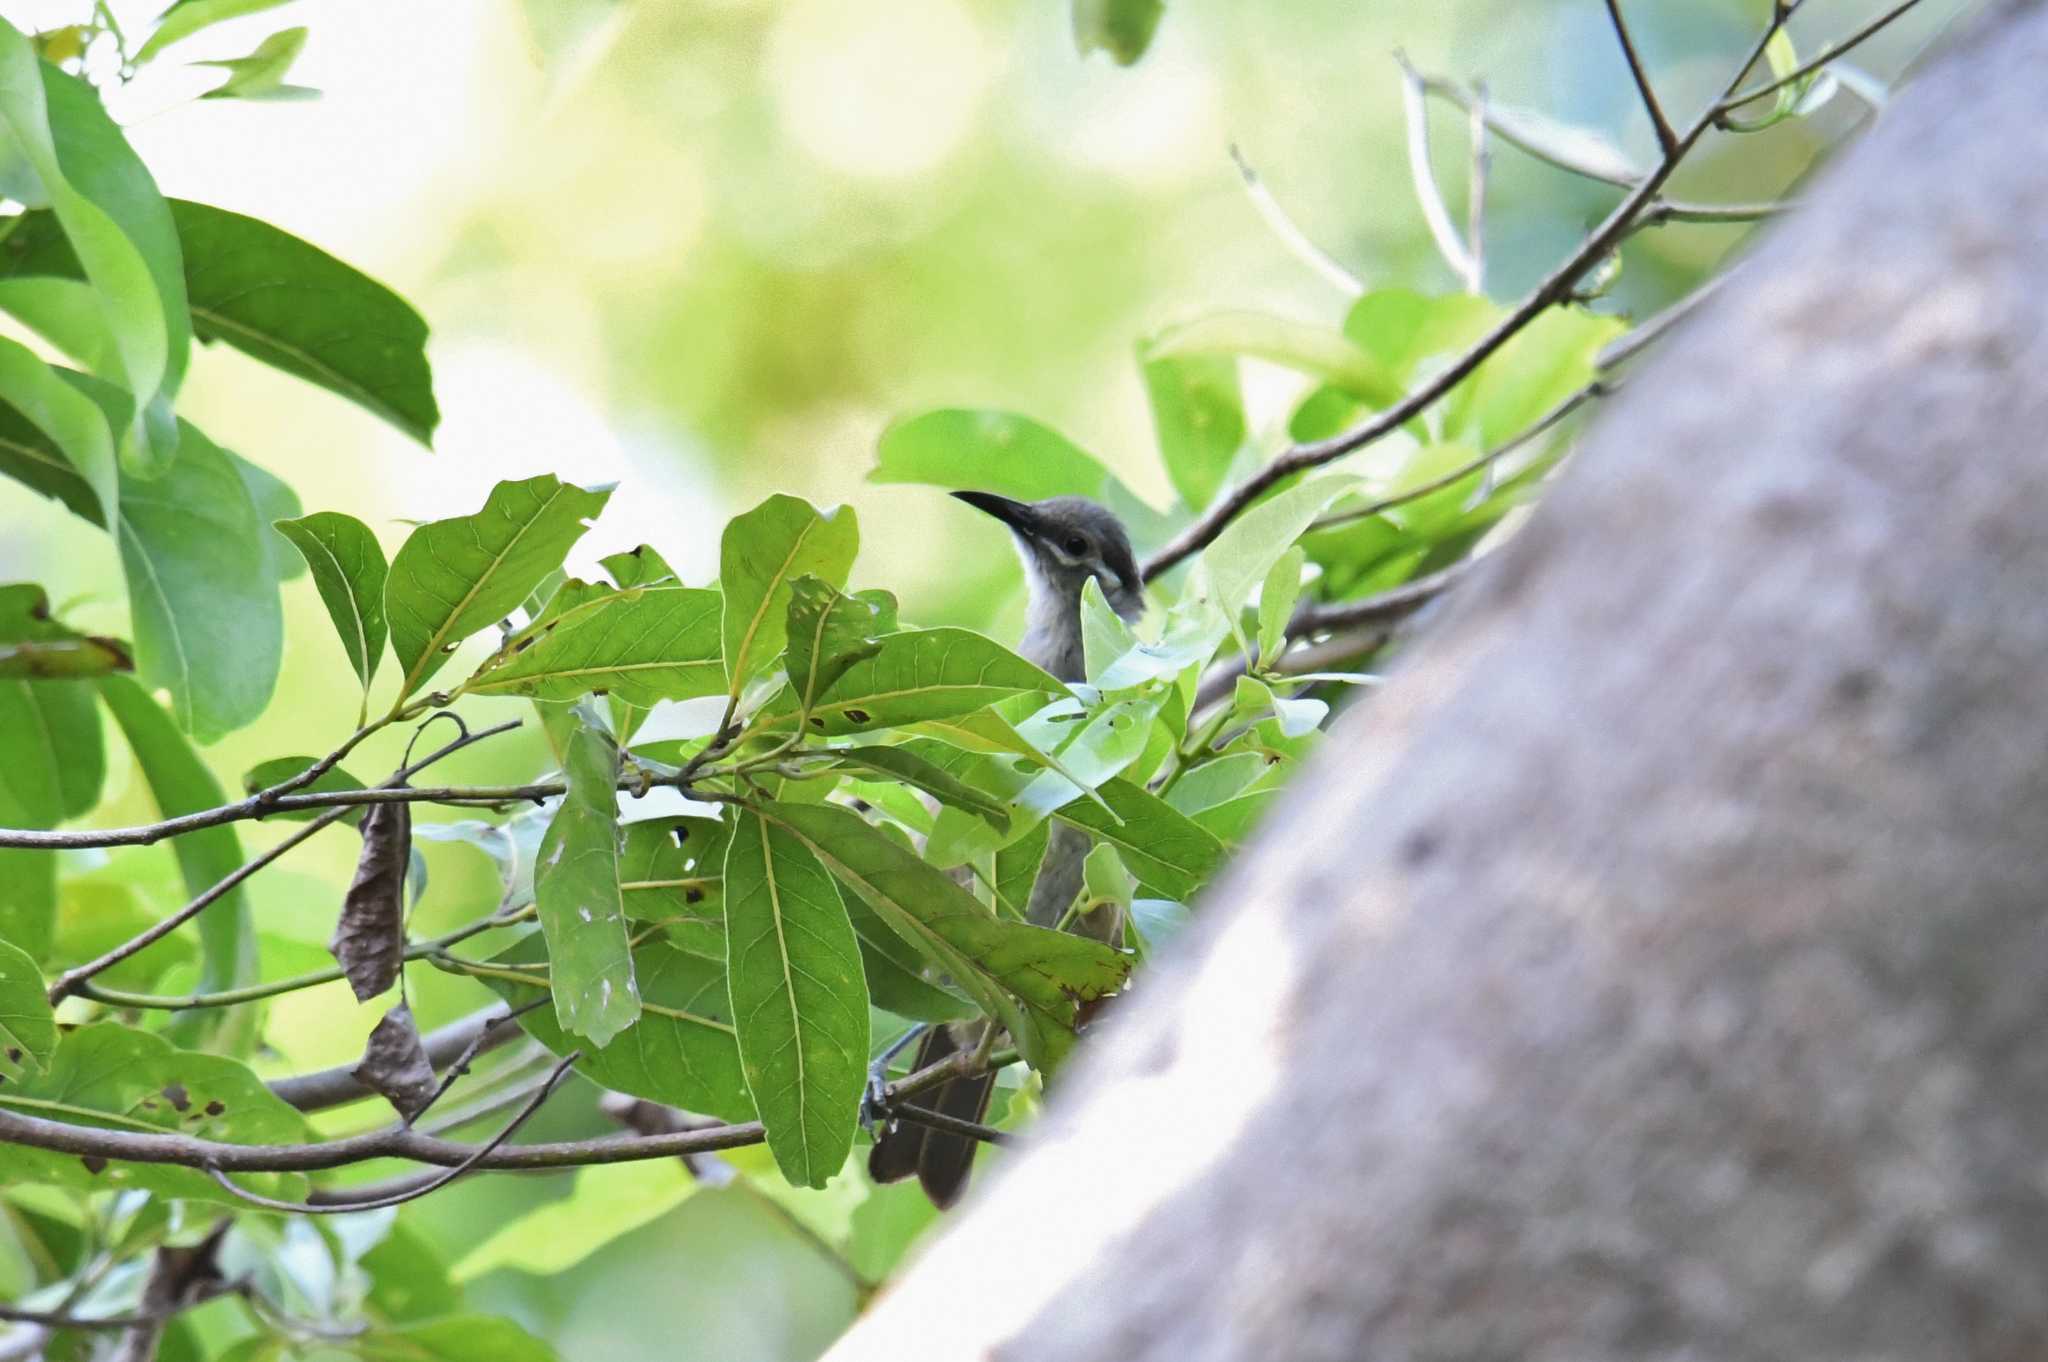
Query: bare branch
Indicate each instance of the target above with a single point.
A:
(1427, 192)
(1731, 102)
(1666, 138)
(1555, 288)
(546, 1090)
(1475, 191)
(1283, 226)
(398, 1142)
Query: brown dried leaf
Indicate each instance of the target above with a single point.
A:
(369, 941)
(395, 1064)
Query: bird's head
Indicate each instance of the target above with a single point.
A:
(1066, 540)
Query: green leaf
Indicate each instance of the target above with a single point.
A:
(989, 451)
(1105, 880)
(1245, 552)
(1198, 413)
(274, 500)
(209, 626)
(182, 784)
(908, 768)
(1543, 364)
(277, 770)
(642, 646)
(452, 1338)
(638, 567)
(94, 916)
(28, 1028)
(260, 75)
(917, 675)
(1122, 28)
(683, 1051)
(672, 872)
(1783, 58)
(607, 1202)
(1307, 348)
(1031, 979)
(28, 898)
(761, 553)
(1213, 782)
(454, 577)
(188, 17)
(1171, 855)
(577, 889)
(52, 760)
(74, 458)
(828, 632)
(1276, 603)
(798, 998)
(349, 571)
(279, 300)
(120, 228)
(1016, 868)
(115, 1077)
(1104, 636)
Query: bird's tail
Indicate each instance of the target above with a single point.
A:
(941, 1161)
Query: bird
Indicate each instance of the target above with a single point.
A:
(1064, 542)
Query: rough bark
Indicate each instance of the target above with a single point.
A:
(1659, 968)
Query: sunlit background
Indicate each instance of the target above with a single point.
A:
(709, 248)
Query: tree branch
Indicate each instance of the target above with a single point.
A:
(1731, 102)
(1666, 138)
(399, 1142)
(73, 979)
(1555, 288)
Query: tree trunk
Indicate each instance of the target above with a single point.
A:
(1659, 967)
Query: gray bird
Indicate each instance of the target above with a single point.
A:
(1064, 541)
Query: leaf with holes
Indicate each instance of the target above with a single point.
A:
(577, 889)
(799, 1000)
(683, 1051)
(916, 675)
(28, 1029)
(453, 577)
(113, 1076)
(642, 646)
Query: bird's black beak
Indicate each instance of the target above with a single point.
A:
(1017, 515)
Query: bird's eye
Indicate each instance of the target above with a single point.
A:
(1076, 546)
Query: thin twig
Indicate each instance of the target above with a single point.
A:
(76, 977)
(1681, 210)
(72, 979)
(1733, 101)
(952, 1125)
(1475, 192)
(1541, 426)
(483, 1152)
(1516, 137)
(398, 1142)
(1283, 226)
(1666, 138)
(1427, 192)
(1555, 288)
